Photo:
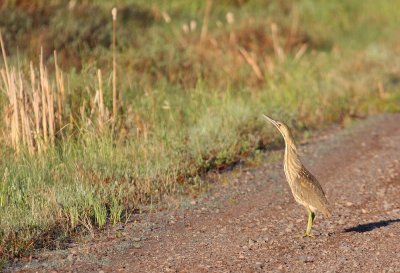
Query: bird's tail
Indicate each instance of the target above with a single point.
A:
(327, 211)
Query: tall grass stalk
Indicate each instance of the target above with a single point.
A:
(114, 42)
(206, 18)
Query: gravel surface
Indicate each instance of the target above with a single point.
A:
(249, 222)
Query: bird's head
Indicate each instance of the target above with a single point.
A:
(282, 127)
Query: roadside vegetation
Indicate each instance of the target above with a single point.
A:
(191, 82)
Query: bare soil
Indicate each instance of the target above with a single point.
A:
(249, 221)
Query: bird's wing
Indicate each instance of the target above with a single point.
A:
(307, 180)
(311, 191)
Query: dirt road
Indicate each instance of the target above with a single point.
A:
(251, 223)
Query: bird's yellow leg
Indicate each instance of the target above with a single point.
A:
(311, 216)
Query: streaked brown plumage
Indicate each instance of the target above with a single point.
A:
(305, 187)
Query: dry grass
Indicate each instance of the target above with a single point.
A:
(32, 107)
(114, 44)
(36, 113)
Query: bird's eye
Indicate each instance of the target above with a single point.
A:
(279, 125)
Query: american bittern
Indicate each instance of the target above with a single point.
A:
(305, 187)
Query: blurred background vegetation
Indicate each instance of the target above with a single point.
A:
(193, 78)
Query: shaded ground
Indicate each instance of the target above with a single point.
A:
(251, 223)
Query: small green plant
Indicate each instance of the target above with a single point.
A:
(100, 213)
(116, 210)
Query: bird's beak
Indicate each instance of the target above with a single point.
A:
(270, 120)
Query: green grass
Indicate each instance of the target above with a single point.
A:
(188, 106)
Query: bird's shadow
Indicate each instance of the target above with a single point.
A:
(371, 226)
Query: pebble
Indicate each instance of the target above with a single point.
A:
(386, 205)
(307, 259)
(348, 204)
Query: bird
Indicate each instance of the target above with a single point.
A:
(305, 187)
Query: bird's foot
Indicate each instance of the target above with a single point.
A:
(302, 235)
(308, 234)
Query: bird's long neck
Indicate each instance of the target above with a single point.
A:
(292, 163)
